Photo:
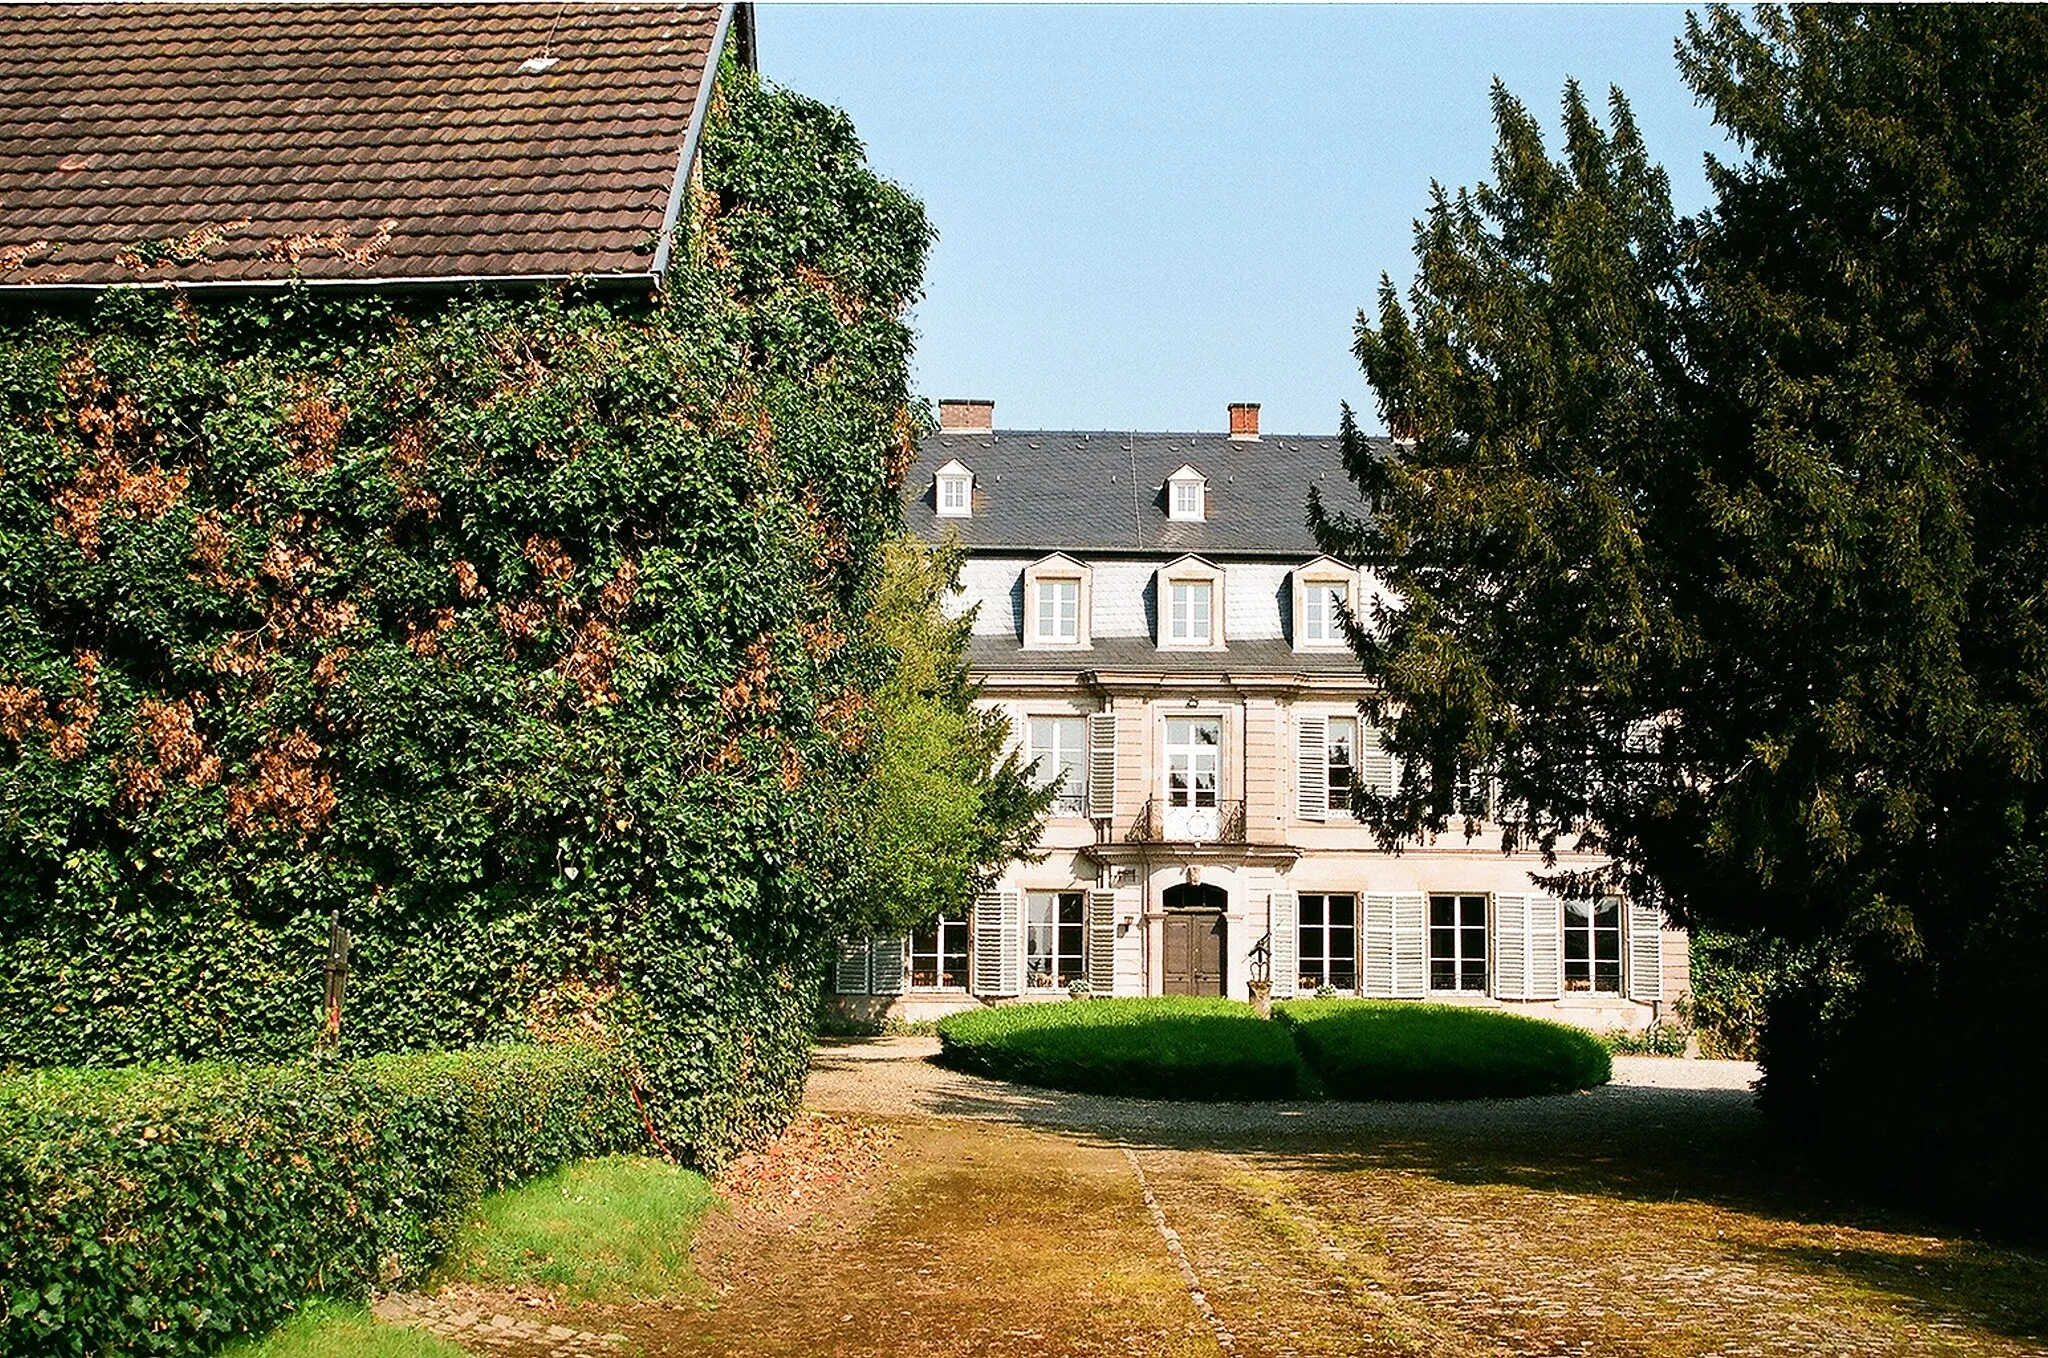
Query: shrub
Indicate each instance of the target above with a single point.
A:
(1170, 1048)
(1735, 981)
(168, 1209)
(519, 627)
(1398, 1049)
(1659, 1039)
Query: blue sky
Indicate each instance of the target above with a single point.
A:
(1146, 212)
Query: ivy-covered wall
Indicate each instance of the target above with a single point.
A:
(516, 628)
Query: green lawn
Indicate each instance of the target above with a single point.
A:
(326, 1329)
(1399, 1049)
(1169, 1048)
(615, 1229)
(1213, 1049)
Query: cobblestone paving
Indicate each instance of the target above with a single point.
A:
(475, 1320)
(1648, 1218)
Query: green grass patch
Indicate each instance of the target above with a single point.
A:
(331, 1330)
(1399, 1049)
(614, 1229)
(1163, 1048)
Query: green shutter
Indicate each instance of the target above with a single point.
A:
(885, 963)
(850, 972)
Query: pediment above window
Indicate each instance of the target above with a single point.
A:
(953, 490)
(1187, 495)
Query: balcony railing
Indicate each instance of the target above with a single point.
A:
(1162, 823)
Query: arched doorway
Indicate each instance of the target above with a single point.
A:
(1192, 958)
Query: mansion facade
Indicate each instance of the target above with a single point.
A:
(1154, 618)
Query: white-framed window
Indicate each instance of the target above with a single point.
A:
(1323, 605)
(1194, 760)
(1592, 946)
(1189, 611)
(938, 955)
(1473, 795)
(954, 495)
(1187, 496)
(1340, 748)
(1457, 943)
(1326, 934)
(1055, 938)
(1055, 603)
(1059, 610)
(1058, 749)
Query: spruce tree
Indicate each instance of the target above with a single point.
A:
(1723, 540)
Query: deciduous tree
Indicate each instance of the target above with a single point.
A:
(952, 806)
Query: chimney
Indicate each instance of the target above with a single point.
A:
(968, 417)
(1244, 419)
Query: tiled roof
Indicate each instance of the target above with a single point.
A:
(1103, 491)
(347, 142)
(1137, 655)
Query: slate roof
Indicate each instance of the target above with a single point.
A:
(1137, 655)
(238, 143)
(1048, 491)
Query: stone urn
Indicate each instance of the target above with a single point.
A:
(1262, 999)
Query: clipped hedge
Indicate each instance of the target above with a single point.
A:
(1160, 1048)
(1399, 1049)
(169, 1209)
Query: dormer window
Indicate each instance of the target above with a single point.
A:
(1324, 607)
(955, 491)
(1187, 496)
(1190, 604)
(1056, 603)
(1325, 590)
(1059, 611)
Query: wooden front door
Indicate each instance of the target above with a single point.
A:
(1193, 960)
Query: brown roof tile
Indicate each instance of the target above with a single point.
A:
(369, 140)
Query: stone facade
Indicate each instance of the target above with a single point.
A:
(1205, 714)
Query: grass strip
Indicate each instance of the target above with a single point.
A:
(615, 1229)
(326, 1329)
